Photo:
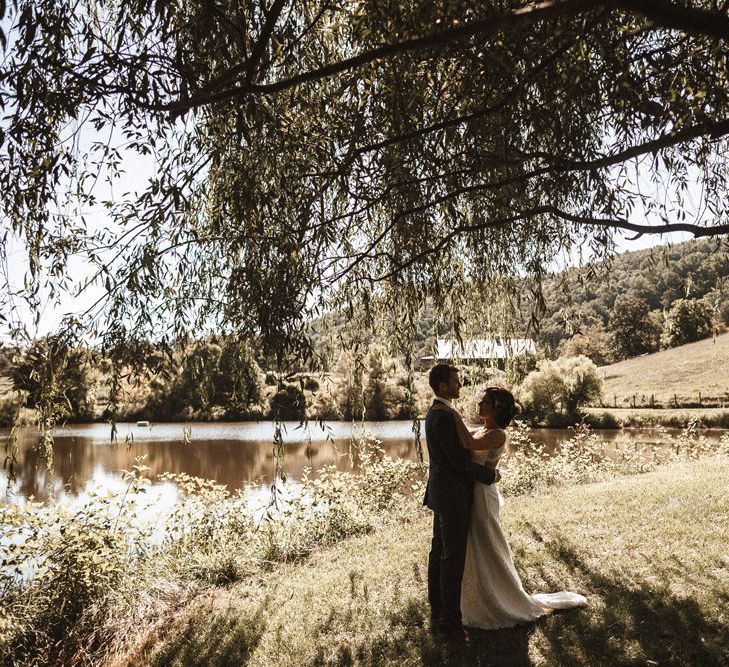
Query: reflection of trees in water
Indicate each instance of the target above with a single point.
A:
(75, 459)
(82, 459)
(79, 460)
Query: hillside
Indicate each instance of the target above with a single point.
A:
(576, 298)
(682, 372)
(582, 297)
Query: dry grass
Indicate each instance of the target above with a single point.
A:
(648, 551)
(682, 372)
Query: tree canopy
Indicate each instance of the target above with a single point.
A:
(310, 155)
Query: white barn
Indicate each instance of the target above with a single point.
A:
(480, 349)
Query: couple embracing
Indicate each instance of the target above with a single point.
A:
(472, 580)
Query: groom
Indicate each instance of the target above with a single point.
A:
(449, 494)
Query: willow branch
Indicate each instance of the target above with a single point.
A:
(517, 18)
(662, 13)
(687, 19)
(478, 113)
(698, 231)
(714, 129)
(615, 223)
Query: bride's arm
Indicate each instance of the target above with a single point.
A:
(486, 440)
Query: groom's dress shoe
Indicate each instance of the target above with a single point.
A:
(449, 632)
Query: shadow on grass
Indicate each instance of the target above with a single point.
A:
(408, 640)
(628, 623)
(638, 623)
(212, 640)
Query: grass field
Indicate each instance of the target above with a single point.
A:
(648, 551)
(670, 417)
(681, 372)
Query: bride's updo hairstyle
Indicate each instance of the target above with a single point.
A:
(502, 403)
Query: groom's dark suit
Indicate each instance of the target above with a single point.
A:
(449, 494)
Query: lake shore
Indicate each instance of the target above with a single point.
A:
(607, 417)
(654, 569)
(238, 454)
(596, 417)
(338, 578)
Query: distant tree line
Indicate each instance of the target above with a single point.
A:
(643, 301)
(219, 378)
(641, 305)
(647, 300)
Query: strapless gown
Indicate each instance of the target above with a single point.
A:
(492, 595)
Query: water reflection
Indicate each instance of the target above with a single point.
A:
(231, 454)
(234, 454)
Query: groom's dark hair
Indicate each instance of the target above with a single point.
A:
(440, 373)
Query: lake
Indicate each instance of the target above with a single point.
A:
(235, 454)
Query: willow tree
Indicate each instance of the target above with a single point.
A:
(311, 155)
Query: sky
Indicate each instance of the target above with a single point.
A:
(137, 171)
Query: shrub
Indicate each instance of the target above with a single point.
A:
(289, 402)
(310, 383)
(601, 420)
(338, 504)
(9, 410)
(349, 389)
(77, 560)
(324, 407)
(518, 367)
(558, 388)
(57, 379)
(209, 379)
(592, 342)
(386, 394)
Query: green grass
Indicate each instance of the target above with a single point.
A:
(682, 372)
(649, 552)
(672, 417)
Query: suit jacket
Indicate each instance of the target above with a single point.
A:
(452, 470)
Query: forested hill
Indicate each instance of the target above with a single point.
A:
(659, 276)
(583, 299)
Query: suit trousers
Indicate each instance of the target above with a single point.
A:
(446, 561)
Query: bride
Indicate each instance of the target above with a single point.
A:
(492, 595)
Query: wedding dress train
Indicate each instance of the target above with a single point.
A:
(492, 595)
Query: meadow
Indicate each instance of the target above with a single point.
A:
(336, 574)
(692, 375)
(649, 552)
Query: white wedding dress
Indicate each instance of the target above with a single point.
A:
(492, 595)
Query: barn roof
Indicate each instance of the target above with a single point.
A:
(484, 348)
